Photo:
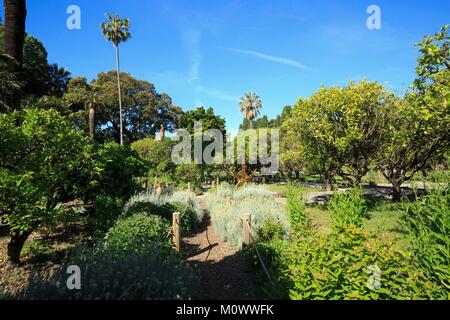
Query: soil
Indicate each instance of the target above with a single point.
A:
(36, 262)
(222, 267)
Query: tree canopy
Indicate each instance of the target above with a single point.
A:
(336, 130)
(39, 77)
(144, 109)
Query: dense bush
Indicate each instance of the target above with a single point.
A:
(427, 221)
(114, 176)
(44, 163)
(347, 208)
(139, 233)
(118, 167)
(135, 260)
(439, 176)
(106, 212)
(109, 274)
(296, 208)
(189, 173)
(165, 205)
(253, 191)
(157, 156)
(349, 264)
(225, 190)
(269, 219)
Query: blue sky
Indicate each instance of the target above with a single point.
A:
(210, 52)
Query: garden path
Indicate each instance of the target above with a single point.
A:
(222, 267)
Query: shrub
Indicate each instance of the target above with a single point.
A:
(44, 163)
(224, 190)
(190, 200)
(157, 156)
(139, 233)
(260, 203)
(107, 211)
(427, 221)
(109, 274)
(296, 208)
(189, 173)
(118, 166)
(252, 191)
(272, 254)
(348, 264)
(439, 176)
(270, 230)
(181, 201)
(347, 209)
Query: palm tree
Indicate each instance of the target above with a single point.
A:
(10, 85)
(14, 38)
(250, 106)
(14, 34)
(115, 30)
(58, 79)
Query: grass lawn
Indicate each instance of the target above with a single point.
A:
(384, 220)
(281, 189)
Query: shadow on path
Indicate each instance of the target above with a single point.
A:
(222, 268)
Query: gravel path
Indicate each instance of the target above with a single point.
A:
(222, 267)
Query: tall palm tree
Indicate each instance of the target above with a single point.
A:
(250, 106)
(14, 34)
(14, 38)
(10, 83)
(115, 29)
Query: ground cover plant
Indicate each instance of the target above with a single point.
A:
(164, 205)
(110, 273)
(349, 262)
(135, 261)
(228, 206)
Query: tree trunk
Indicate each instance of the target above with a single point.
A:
(14, 38)
(250, 124)
(92, 120)
(328, 184)
(396, 191)
(15, 246)
(14, 33)
(120, 96)
(162, 132)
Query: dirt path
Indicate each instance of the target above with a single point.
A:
(222, 267)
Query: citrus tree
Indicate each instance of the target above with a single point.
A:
(336, 131)
(43, 164)
(417, 127)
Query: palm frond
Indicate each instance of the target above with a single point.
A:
(116, 29)
(250, 105)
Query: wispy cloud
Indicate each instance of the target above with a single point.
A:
(216, 94)
(193, 26)
(194, 69)
(191, 40)
(199, 103)
(276, 59)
